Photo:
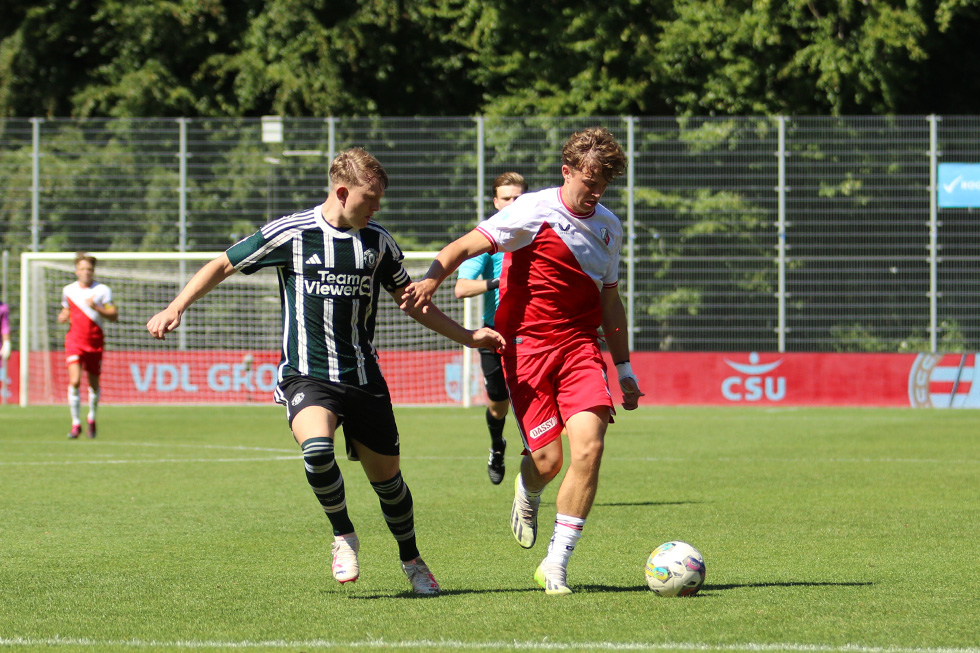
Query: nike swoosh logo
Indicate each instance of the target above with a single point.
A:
(951, 185)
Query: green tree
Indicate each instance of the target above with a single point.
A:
(494, 57)
(45, 55)
(801, 57)
(555, 58)
(218, 58)
(319, 58)
(118, 58)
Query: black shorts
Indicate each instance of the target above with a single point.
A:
(364, 411)
(493, 375)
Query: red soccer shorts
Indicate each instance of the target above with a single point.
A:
(548, 387)
(91, 361)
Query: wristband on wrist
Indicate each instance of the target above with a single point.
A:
(624, 370)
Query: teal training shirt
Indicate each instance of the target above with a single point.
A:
(485, 266)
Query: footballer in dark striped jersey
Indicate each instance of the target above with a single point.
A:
(332, 262)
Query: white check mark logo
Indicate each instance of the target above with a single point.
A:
(952, 185)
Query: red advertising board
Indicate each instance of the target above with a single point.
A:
(798, 379)
(435, 377)
(232, 376)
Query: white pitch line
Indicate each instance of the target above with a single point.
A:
(290, 455)
(167, 445)
(461, 645)
(146, 461)
(295, 456)
(832, 461)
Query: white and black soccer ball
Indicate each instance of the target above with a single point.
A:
(675, 569)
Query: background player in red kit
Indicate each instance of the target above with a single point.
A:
(558, 286)
(86, 304)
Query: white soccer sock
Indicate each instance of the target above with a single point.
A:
(74, 405)
(568, 530)
(530, 495)
(93, 403)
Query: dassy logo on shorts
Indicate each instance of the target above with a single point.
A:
(541, 429)
(298, 398)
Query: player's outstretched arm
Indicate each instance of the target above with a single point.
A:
(433, 318)
(419, 293)
(209, 276)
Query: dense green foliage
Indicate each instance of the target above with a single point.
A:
(494, 57)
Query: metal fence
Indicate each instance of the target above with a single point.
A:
(744, 234)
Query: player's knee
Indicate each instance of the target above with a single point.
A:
(588, 451)
(547, 463)
(498, 409)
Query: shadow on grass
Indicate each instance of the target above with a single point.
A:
(707, 590)
(799, 583)
(711, 587)
(646, 503)
(501, 590)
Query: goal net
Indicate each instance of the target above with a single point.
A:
(228, 345)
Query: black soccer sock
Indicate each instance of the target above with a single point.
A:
(397, 507)
(496, 427)
(324, 477)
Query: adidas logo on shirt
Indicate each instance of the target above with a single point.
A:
(314, 260)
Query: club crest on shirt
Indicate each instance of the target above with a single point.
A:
(604, 234)
(370, 258)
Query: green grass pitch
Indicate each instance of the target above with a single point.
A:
(193, 528)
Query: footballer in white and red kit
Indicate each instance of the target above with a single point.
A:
(85, 340)
(558, 287)
(86, 305)
(550, 301)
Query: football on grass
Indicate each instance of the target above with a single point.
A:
(675, 569)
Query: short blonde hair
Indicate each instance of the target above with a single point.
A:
(594, 150)
(354, 167)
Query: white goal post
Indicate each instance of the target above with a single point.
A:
(228, 345)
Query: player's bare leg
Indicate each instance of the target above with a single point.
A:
(537, 469)
(586, 434)
(93, 402)
(542, 466)
(74, 400)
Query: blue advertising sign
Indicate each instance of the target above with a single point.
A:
(959, 185)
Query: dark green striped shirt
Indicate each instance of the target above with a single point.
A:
(329, 281)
